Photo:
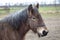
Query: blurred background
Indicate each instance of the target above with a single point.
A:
(46, 6)
(49, 9)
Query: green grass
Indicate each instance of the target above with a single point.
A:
(12, 9)
(41, 9)
(49, 8)
(50, 15)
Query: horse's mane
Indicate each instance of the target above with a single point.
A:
(17, 18)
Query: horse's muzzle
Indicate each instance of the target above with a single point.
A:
(44, 33)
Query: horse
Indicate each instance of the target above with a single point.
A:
(15, 26)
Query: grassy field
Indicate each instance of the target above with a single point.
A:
(48, 8)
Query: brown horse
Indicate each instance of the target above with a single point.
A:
(15, 26)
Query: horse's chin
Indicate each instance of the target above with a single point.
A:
(39, 35)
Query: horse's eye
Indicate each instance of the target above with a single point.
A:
(33, 18)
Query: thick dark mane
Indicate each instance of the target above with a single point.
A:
(16, 19)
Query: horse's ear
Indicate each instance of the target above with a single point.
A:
(37, 5)
(30, 10)
(30, 7)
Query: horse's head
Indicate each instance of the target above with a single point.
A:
(35, 21)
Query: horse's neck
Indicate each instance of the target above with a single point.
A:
(23, 30)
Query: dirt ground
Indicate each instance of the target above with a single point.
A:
(53, 24)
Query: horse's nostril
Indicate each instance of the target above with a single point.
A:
(45, 33)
